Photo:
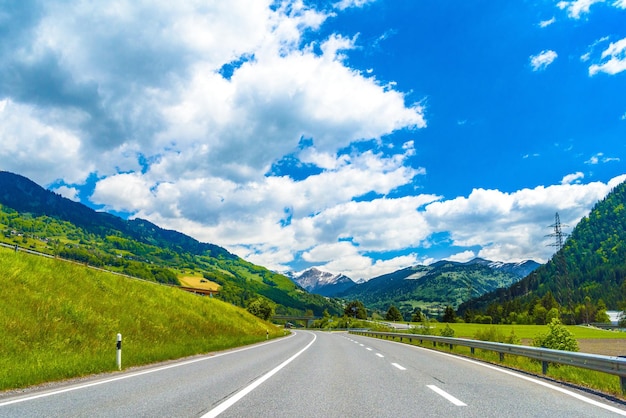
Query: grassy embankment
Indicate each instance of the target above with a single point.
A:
(603, 342)
(60, 320)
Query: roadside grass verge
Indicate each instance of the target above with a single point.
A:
(59, 320)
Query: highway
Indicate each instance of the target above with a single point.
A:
(313, 374)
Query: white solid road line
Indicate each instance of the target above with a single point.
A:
(132, 374)
(239, 395)
(397, 366)
(446, 395)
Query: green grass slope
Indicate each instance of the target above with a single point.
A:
(60, 320)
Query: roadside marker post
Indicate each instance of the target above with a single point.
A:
(119, 351)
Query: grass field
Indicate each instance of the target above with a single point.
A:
(60, 320)
(463, 330)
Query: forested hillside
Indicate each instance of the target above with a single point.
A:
(581, 280)
(38, 219)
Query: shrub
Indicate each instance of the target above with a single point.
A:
(557, 338)
(447, 331)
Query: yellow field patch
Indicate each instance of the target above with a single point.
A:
(198, 283)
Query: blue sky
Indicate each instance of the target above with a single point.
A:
(356, 136)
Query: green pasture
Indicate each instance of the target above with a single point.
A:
(525, 332)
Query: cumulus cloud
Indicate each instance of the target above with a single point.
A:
(571, 178)
(542, 60)
(462, 257)
(68, 192)
(505, 225)
(35, 144)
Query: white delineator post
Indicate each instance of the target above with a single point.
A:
(119, 351)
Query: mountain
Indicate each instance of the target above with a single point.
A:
(589, 271)
(34, 217)
(323, 283)
(437, 285)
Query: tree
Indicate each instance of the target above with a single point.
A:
(449, 315)
(355, 309)
(417, 315)
(393, 314)
(261, 307)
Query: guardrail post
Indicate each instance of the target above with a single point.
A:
(472, 350)
(622, 384)
(501, 356)
(544, 367)
(119, 351)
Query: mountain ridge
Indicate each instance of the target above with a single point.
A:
(322, 283)
(436, 285)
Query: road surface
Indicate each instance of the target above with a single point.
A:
(313, 374)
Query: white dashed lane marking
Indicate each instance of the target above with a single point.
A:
(446, 395)
(397, 366)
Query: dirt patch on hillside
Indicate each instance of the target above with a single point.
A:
(607, 347)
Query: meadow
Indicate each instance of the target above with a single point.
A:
(60, 320)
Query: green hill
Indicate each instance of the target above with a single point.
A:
(39, 219)
(59, 320)
(581, 280)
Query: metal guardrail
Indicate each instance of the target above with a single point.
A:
(605, 364)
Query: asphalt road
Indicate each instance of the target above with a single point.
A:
(313, 374)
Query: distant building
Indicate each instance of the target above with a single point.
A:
(614, 316)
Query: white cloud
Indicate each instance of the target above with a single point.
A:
(462, 257)
(542, 60)
(577, 8)
(546, 23)
(38, 145)
(345, 4)
(601, 158)
(616, 63)
(68, 192)
(512, 226)
(620, 4)
(571, 178)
